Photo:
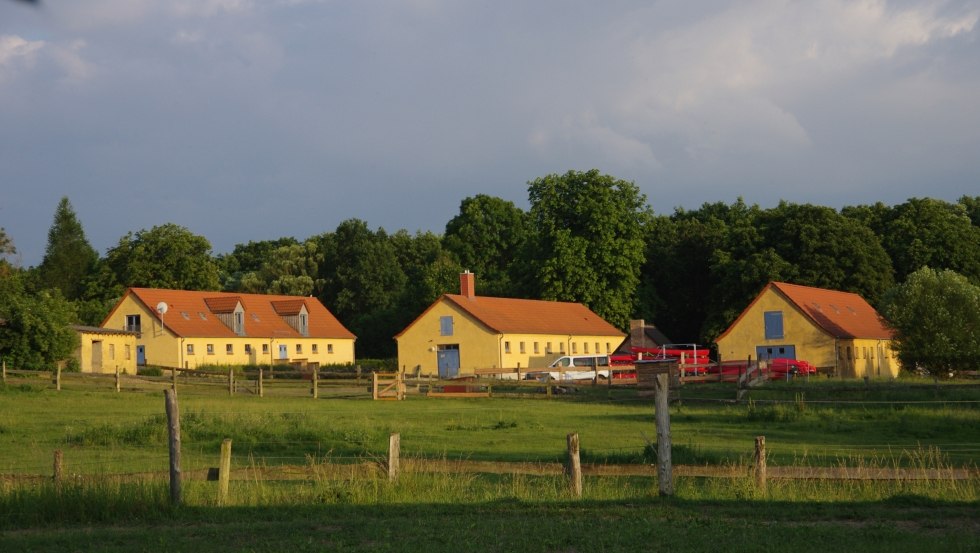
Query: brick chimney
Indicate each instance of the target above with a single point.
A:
(638, 335)
(467, 284)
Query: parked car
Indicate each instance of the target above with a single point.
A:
(573, 367)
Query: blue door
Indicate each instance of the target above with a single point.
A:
(283, 354)
(763, 353)
(448, 358)
(141, 356)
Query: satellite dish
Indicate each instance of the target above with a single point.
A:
(162, 308)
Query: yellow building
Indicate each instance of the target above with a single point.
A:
(103, 350)
(838, 332)
(462, 332)
(189, 329)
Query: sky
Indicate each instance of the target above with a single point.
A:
(258, 119)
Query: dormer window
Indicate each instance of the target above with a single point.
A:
(303, 328)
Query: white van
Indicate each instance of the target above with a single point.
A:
(574, 367)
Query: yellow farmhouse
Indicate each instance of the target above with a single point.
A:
(103, 350)
(188, 329)
(462, 332)
(836, 331)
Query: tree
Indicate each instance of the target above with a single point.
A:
(68, 259)
(588, 241)
(166, 256)
(972, 206)
(936, 315)
(290, 270)
(6, 244)
(247, 258)
(486, 237)
(35, 332)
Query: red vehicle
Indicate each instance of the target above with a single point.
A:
(781, 367)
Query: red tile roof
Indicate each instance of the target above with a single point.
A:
(511, 316)
(189, 315)
(840, 314)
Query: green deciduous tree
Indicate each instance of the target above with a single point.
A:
(486, 237)
(68, 259)
(587, 243)
(6, 244)
(936, 314)
(291, 270)
(166, 256)
(35, 333)
(247, 258)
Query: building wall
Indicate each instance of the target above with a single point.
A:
(164, 348)
(811, 343)
(868, 358)
(480, 348)
(117, 350)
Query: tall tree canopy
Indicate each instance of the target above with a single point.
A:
(486, 237)
(588, 241)
(6, 244)
(936, 314)
(291, 269)
(69, 259)
(247, 258)
(166, 256)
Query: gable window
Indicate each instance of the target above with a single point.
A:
(210, 349)
(190, 349)
(303, 329)
(446, 325)
(133, 323)
(229, 349)
(239, 323)
(774, 324)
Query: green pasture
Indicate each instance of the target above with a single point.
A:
(102, 434)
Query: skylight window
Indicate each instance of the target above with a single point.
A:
(202, 315)
(185, 315)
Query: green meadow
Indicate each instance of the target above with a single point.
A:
(291, 490)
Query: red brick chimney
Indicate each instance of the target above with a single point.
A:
(467, 284)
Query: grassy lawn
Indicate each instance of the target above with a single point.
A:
(822, 424)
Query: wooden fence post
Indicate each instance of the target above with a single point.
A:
(224, 471)
(665, 470)
(231, 382)
(4, 371)
(173, 379)
(314, 390)
(261, 390)
(374, 385)
(173, 427)
(118, 386)
(358, 368)
(58, 471)
(394, 454)
(57, 378)
(574, 468)
(760, 463)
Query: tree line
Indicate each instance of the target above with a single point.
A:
(586, 237)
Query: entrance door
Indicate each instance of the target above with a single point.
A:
(141, 356)
(448, 360)
(763, 353)
(283, 353)
(97, 356)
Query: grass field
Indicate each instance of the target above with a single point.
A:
(824, 423)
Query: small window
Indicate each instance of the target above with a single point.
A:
(265, 348)
(597, 347)
(185, 315)
(585, 348)
(537, 350)
(446, 325)
(523, 349)
(133, 323)
(302, 325)
(112, 351)
(229, 349)
(190, 349)
(773, 321)
(574, 347)
(506, 347)
(129, 353)
(329, 348)
(315, 348)
(299, 348)
(239, 323)
(210, 349)
(255, 317)
(607, 348)
(248, 348)
(561, 347)
(547, 347)
(202, 315)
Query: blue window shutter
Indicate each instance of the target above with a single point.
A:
(774, 324)
(446, 325)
